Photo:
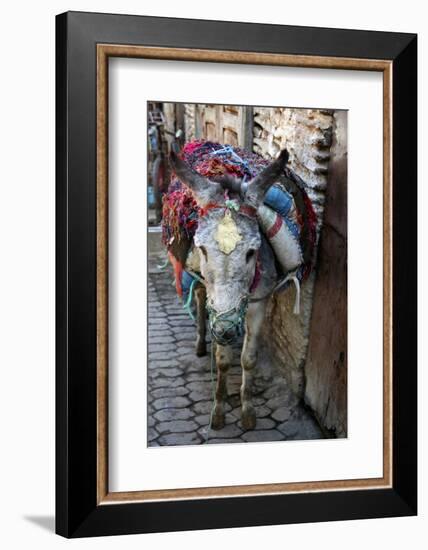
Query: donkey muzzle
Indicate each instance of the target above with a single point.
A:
(224, 333)
(227, 326)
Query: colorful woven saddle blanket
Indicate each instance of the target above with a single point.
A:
(287, 212)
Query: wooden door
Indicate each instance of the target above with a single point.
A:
(227, 124)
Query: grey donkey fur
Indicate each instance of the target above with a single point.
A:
(228, 277)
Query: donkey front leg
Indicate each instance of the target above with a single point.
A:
(253, 325)
(201, 319)
(223, 357)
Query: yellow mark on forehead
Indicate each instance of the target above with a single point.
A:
(227, 234)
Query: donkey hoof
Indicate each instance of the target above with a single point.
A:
(217, 422)
(248, 418)
(201, 349)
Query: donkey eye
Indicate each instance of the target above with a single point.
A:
(250, 254)
(204, 251)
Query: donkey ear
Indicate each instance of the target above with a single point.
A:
(259, 186)
(201, 187)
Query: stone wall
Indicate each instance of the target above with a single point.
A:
(326, 362)
(189, 121)
(307, 135)
(169, 114)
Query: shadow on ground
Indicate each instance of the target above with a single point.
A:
(45, 522)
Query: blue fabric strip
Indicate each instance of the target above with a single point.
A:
(279, 200)
(186, 283)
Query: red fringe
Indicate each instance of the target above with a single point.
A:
(178, 272)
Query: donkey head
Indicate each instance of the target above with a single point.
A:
(228, 240)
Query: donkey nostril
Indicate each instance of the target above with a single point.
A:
(224, 333)
(230, 334)
(224, 337)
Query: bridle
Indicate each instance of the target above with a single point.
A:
(228, 322)
(232, 320)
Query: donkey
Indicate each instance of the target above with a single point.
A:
(229, 247)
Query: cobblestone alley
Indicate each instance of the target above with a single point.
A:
(180, 388)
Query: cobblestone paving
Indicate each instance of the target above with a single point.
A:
(180, 387)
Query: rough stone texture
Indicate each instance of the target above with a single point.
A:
(189, 121)
(314, 361)
(281, 414)
(169, 113)
(289, 333)
(176, 426)
(263, 435)
(177, 439)
(307, 135)
(229, 431)
(170, 392)
(171, 403)
(326, 364)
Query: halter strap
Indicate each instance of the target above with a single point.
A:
(291, 276)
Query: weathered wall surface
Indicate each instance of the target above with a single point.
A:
(326, 363)
(170, 117)
(189, 121)
(307, 134)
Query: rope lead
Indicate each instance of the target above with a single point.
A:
(188, 305)
(213, 392)
(293, 277)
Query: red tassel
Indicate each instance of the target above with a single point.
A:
(178, 272)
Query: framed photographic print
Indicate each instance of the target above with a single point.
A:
(236, 274)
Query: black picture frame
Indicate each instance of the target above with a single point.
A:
(77, 511)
